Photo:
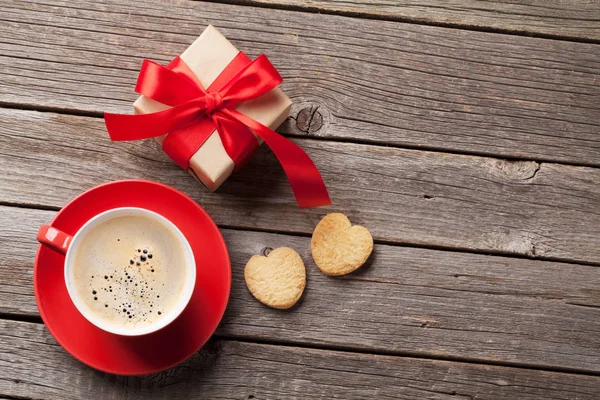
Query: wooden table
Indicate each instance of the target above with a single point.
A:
(463, 134)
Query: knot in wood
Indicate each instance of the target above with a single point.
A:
(309, 120)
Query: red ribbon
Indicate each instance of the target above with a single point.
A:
(195, 113)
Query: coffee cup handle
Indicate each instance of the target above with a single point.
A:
(55, 239)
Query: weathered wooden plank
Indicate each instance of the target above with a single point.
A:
(394, 83)
(406, 301)
(578, 19)
(405, 196)
(34, 366)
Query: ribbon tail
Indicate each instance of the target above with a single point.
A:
(123, 127)
(303, 175)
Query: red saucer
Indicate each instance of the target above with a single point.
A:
(167, 347)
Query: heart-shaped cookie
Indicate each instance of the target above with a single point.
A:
(339, 248)
(277, 280)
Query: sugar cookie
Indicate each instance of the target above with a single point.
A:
(339, 248)
(277, 280)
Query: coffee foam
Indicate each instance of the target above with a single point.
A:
(130, 271)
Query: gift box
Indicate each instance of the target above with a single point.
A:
(207, 57)
(210, 109)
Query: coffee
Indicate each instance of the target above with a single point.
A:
(130, 272)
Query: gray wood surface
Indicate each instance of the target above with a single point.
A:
(394, 83)
(403, 196)
(578, 19)
(466, 153)
(405, 301)
(32, 365)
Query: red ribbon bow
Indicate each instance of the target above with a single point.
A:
(195, 113)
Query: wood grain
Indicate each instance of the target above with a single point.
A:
(404, 196)
(405, 301)
(34, 366)
(575, 19)
(394, 83)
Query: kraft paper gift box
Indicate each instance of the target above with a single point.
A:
(207, 57)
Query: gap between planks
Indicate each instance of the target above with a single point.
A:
(353, 350)
(433, 149)
(403, 19)
(406, 354)
(376, 241)
(416, 246)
